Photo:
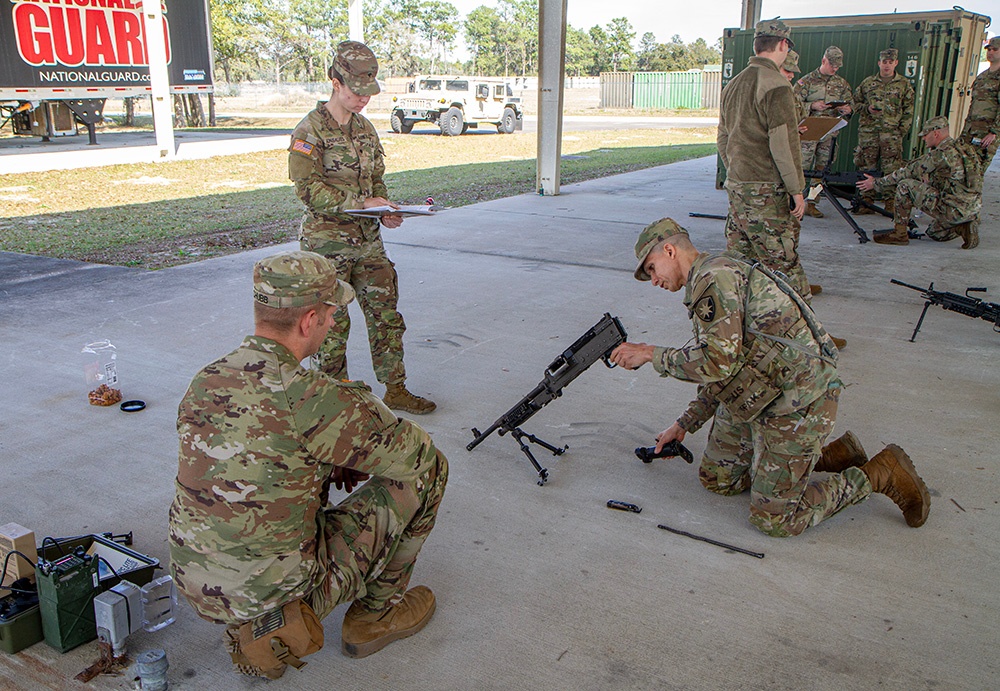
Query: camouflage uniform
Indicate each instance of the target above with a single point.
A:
(817, 86)
(881, 135)
(739, 311)
(984, 114)
(335, 168)
(946, 183)
(250, 526)
(261, 438)
(758, 142)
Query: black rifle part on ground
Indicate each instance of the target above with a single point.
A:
(596, 344)
(623, 506)
(716, 217)
(646, 454)
(759, 555)
(967, 305)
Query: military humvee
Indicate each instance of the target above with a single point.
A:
(457, 103)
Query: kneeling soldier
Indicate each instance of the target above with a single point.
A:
(766, 370)
(254, 542)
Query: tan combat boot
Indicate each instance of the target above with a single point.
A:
(896, 236)
(367, 632)
(863, 210)
(841, 343)
(231, 641)
(815, 289)
(398, 398)
(969, 231)
(890, 205)
(891, 473)
(811, 210)
(841, 454)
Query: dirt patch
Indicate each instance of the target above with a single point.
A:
(159, 254)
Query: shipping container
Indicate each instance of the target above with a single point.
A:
(939, 52)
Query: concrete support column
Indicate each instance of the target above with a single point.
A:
(355, 20)
(551, 79)
(159, 81)
(750, 14)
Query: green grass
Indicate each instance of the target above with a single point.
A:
(155, 215)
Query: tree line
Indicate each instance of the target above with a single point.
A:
(293, 40)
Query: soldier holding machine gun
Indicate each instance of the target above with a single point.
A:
(766, 370)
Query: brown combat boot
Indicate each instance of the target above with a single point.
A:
(841, 454)
(398, 398)
(841, 343)
(231, 641)
(890, 205)
(815, 289)
(367, 632)
(864, 210)
(969, 232)
(896, 236)
(811, 210)
(891, 473)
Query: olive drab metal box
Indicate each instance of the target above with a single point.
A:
(939, 52)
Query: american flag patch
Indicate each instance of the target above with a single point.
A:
(302, 146)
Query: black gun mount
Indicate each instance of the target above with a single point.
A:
(844, 186)
(596, 344)
(967, 305)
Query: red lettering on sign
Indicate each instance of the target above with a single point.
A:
(50, 32)
(67, 35)
(128, 40)
(33, 43)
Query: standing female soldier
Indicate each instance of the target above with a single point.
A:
(335, 161)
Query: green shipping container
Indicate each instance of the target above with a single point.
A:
(939, 52)
(667, 89)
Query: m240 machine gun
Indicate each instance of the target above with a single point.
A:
(963, 304)
(596, 344)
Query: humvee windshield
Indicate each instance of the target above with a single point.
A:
(430, 84)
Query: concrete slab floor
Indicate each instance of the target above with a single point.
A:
(544, 587)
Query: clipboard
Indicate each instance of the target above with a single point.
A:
(819, 128)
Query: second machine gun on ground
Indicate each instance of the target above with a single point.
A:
(596, 344)
(967, 305)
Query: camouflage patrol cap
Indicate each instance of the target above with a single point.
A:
(774, 27)
(298, 279)
(936, 123)
(834, 56)
(650, 237)
(993, 43)
(889, 54)
(791, 63)
(358, 66)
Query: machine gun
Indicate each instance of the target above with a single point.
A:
(844, 186)
(596, 344)
(967, 305)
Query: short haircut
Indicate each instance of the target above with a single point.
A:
(766, 44)
(334, 74)
(281, 319)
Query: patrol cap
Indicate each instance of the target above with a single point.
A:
(774, 27)
(358, 66)
(993, 43)
(791, 63)
(889, 54)
(935, 123)
(298, 279)
(650, 237)
(834, 56)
